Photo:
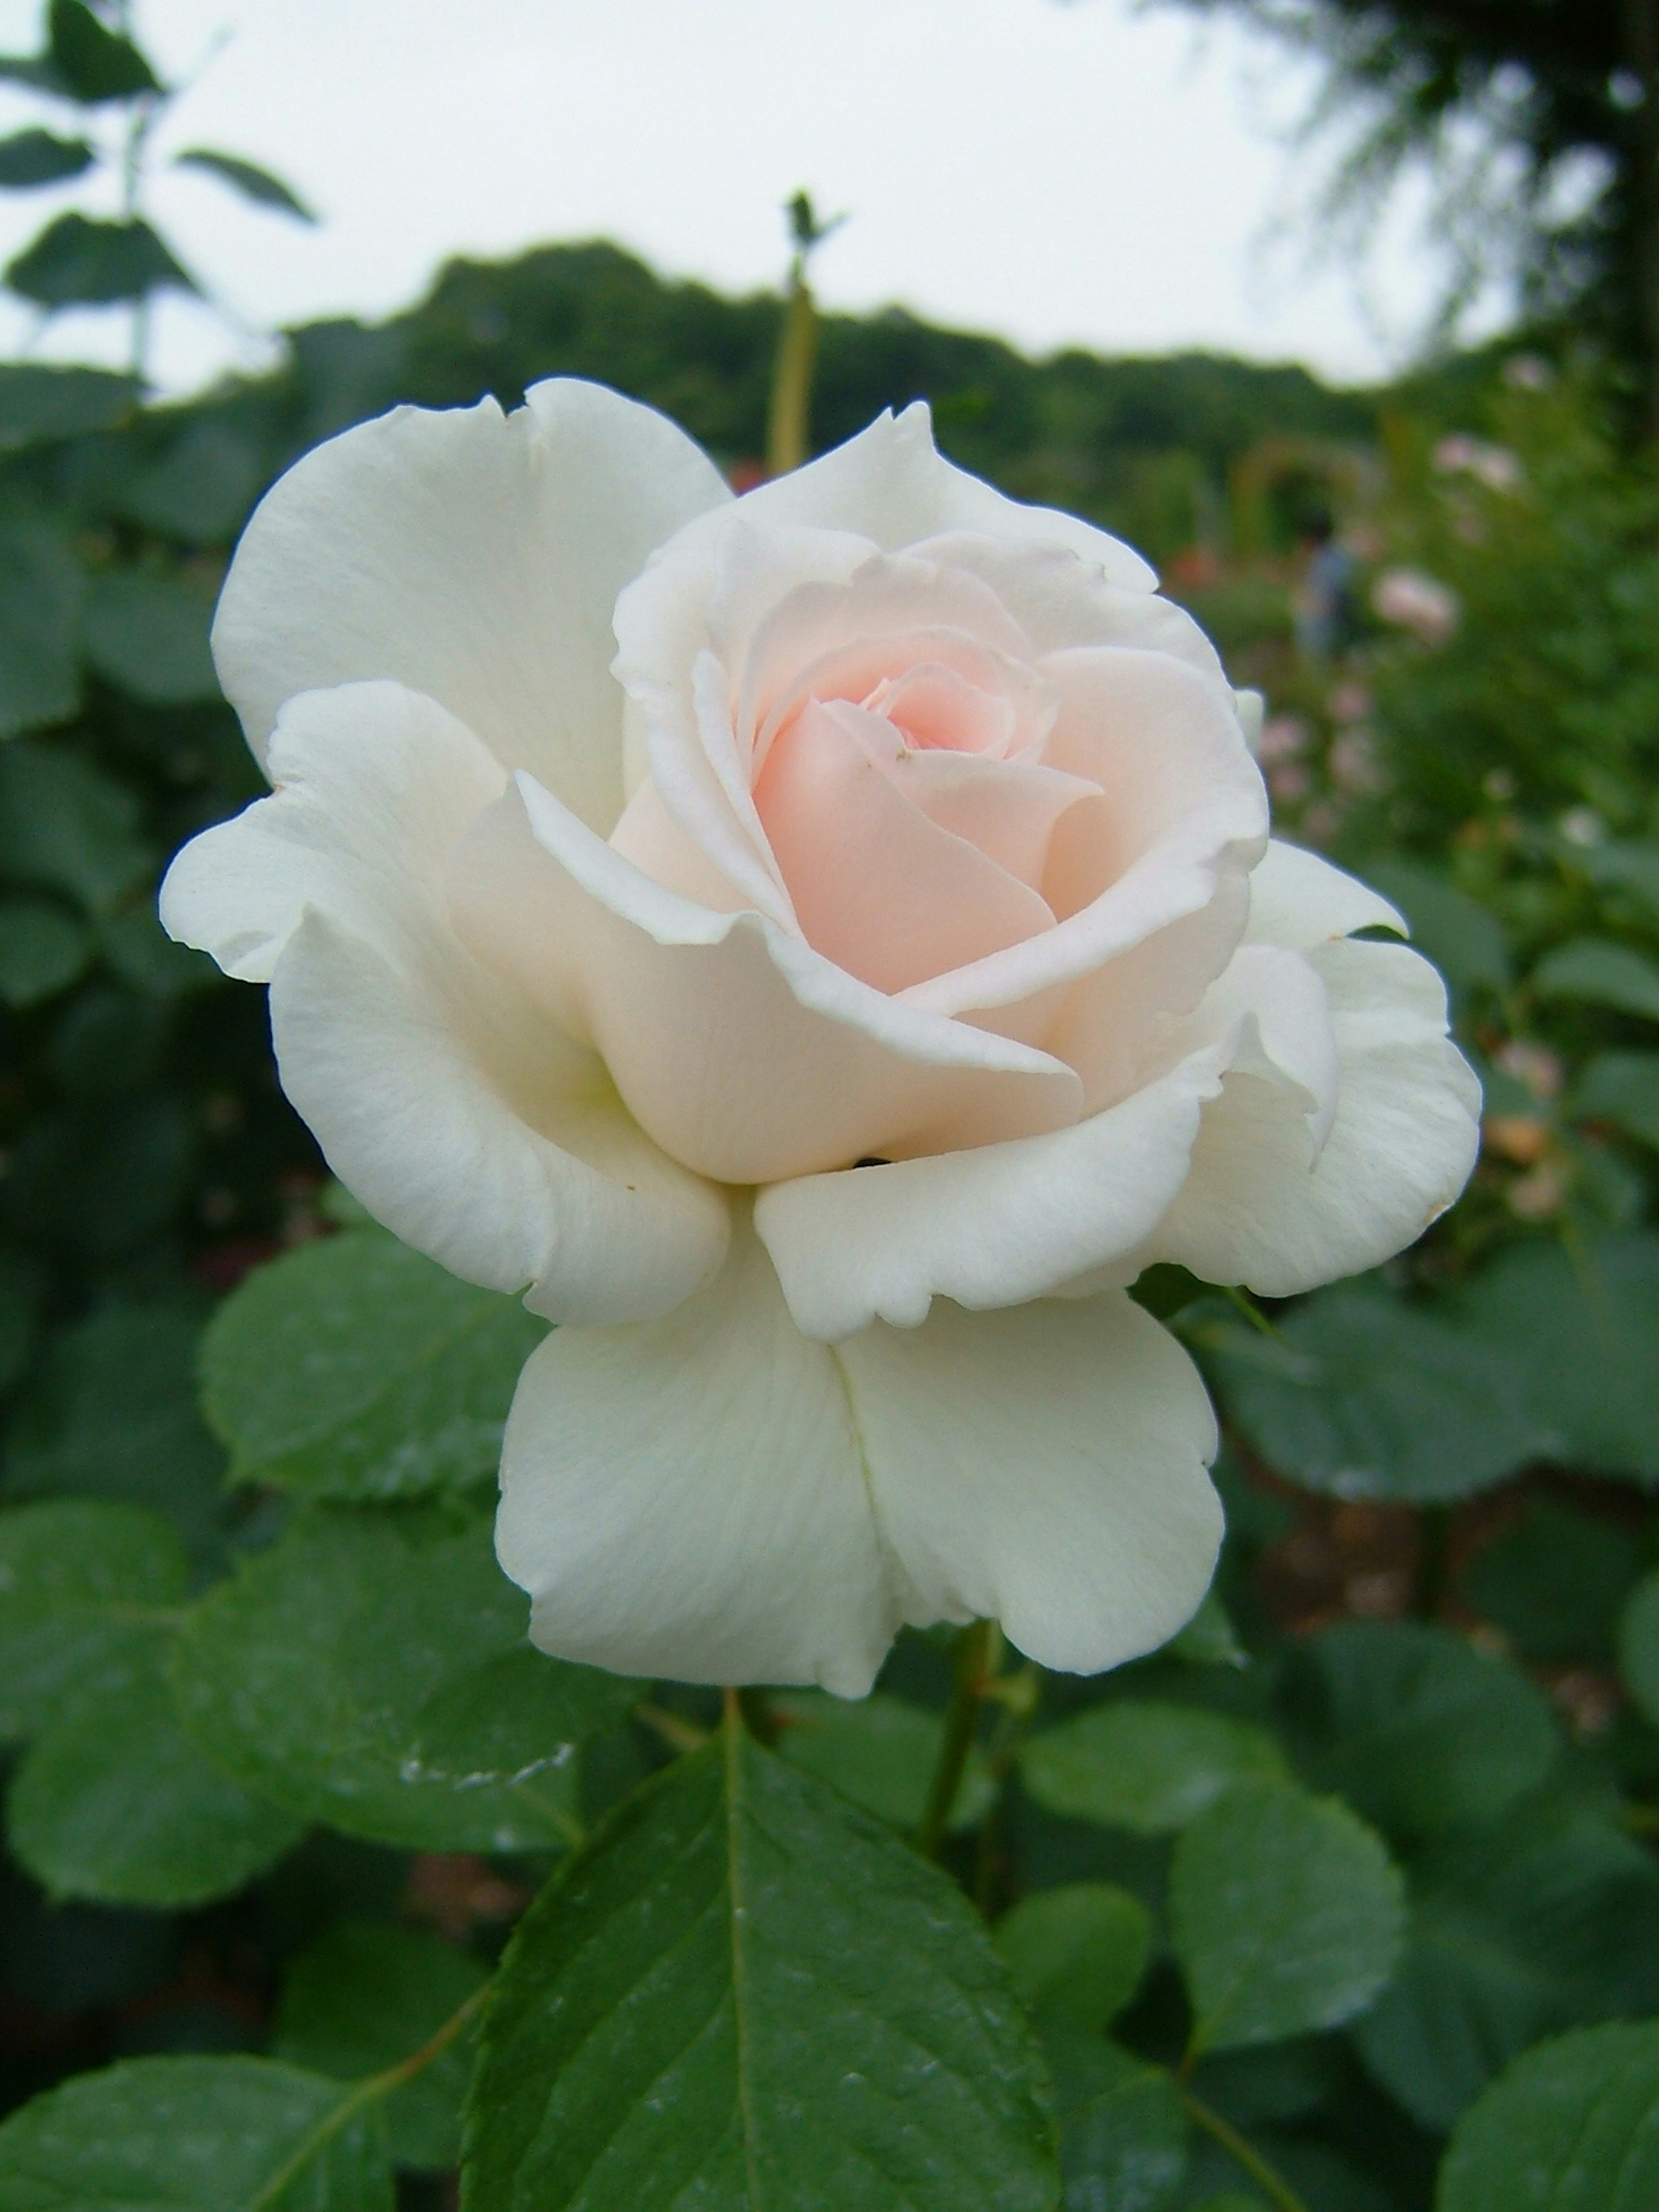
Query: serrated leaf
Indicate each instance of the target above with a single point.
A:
(78, 263)
(1598, 972)
(1638, 1647)
(90, 62)
(1145, 1766)
(40, 590)
(1572, 2127)
(361, 1998)
(880, 1752)
(39, 403)
(42, 951)
(1623, 1088)
(1076, 1953)
(66, 827)
(1415, 1726)
(148, 635)
(374, 1676)
(247, 177)
(1287, 1915)
(1555, 1582)
(354, 1368)
(31, 158)
(195, 2134)
(1124, 2141)
(1368, 1395)
(747, 1993)
(113, 1803)
(72, 1576)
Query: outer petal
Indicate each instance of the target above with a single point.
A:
(1044, 1467)
(687, 1498)
(472, 556)
(993, 1227)
(1299, 900)
(457, 1114)
(743, 1052)
(1267, 1206)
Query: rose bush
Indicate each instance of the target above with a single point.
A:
(824, 944)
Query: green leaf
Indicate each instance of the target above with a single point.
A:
(1597, 972)
(1464, 939)
(1209, 1639)
(42, 951)
(148, 635)
(113, 1803)
(1150, 1768)
(1638, 1647)
(1555, 1582)
(1623, 1088)
(195, 2134)
(78, 263)
(40, 589)
(1414, 1726)
(1547, 1919)
(1077, 1954)
(1287, 1915)
(367, 1672)
(20, 1298)
(1621, 866)
(66, 826)
(247, 177)
(1124, 2141)
(1368, 1395)
(28, 158)
(1572, 2127)
(354, 1369)
(1583, 1330)
(38, 404)
(200, 489)
(361, 1999)
(140, 951)
(90, 62)
(747, 1993)
(880, 1752)
(72, 1575)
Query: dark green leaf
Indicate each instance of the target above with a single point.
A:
(1152, 1768)
(1124, 2135)
(1597, 972)
(42, 951)
(1368, 1395)
(1638, 1647)
(28, 158)
(354, 1368)
(747, 1993)
(1413, 1725)
(376, 1677)
(72, 1577)
(78, 263)
(364, 1996)
(195, 2134)
(113, 1803)
(1077, 1954)
(1572, 2127)
(38, 404)
(140, 951)
(20, 1299)
(148, 635)
(40, 590)
(247, 177)
(1617, 866)
(66, 826)
(1464, 939)
(1555, 1582)
(1209, 1639)
(1623, 1088)
(199, 490)
(880, 1752)
(90, 62)
(1287, 1915)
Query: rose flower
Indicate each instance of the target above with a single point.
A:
(820, 946)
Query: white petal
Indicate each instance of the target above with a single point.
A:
(1299, 899)
(743, 1052)
(1267, 1206)
(1059, 598)
(457, 1113)
(472, 556)
(1043, 1467)
(891, 484)
(686, 1498)
(993, 1227)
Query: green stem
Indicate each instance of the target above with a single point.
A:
(789, 422)
(973, 1656)
(1278, 2192)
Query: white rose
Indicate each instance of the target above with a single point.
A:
(826, 1004)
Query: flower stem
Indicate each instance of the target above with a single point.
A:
(973, 1662)
(1278, 2191)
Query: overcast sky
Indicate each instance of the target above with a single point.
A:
(1055, 173)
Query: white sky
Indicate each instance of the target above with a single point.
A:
(1055, 173)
